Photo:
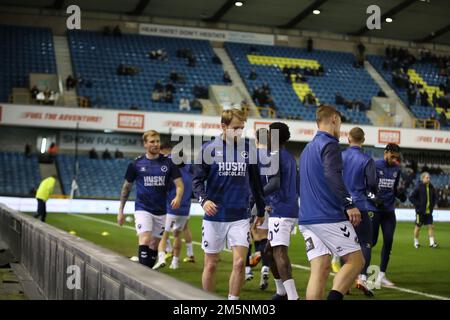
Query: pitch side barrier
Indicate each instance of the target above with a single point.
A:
(66, 267)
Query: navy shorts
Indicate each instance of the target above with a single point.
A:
(364, 230)
(424, 219)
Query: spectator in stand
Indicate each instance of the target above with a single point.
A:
(118, 154)
(174, 76)
(34, 92)
(216, 59)
(253, 75)
(226, 77)
(70, 83)
(381, 94)
(192, 61)
(339, 99)
(266, 88)
(93, 154)
(443, 119)
(424, 98)
(117, 32)
(184, 104)
(27, 151)
(309, 45)
(168, 97)
(158, 86)
(170, 87)
(52, 151)
(106, 31)
(106, 155)
(300, 78)
(310, 100)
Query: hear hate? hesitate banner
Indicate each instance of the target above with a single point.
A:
(185, 124)
(206, 34)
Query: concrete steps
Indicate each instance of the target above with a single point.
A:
(64, 66)
(228, 66)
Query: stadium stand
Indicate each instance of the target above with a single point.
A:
(339, 76)
(24, 50)
(96, 58)
(96, 178)
(18, 174)
(423, 73)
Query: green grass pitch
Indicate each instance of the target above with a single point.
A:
(422, 273)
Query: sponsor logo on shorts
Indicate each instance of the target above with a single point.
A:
(339, 249)
(309, 244)
(345, 231)
(139, 226)
(205, 244)
(356, 239)
(276, 227)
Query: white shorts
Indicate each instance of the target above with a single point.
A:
(148, 222)
(175, 223)
(215, 234)
(280, 231)
(329, 238)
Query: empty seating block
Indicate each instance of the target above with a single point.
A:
(97, 178)
(18, 174)
(24, 50)
(96, 57)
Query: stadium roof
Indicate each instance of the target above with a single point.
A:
(413, 20)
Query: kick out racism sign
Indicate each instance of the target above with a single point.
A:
(101, 141)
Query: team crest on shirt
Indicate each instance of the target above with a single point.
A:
(142, 169)
(164, 168)
(394, 174)
(244, 154)
(381, 172)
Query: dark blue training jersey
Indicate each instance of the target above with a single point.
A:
(360, 176)
(185, 206)
(263, 164)
(230, 179)
(284, 200)
(323, 194)
(153, 180)
(388, 178)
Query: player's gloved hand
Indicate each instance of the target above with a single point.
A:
(120, 218)
(354, 216)
(210, 208)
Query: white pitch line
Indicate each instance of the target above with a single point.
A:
(297, 266)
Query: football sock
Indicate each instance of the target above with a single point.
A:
(289, 286)
(280, 287)
(335, 295)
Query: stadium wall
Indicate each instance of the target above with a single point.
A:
(83, 206)
(53, 258)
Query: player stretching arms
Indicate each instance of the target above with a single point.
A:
(176, 219)
(383, 206)
(224, 164)
(153, 173)
(283, 190)
(360, 178)
(324, 201)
